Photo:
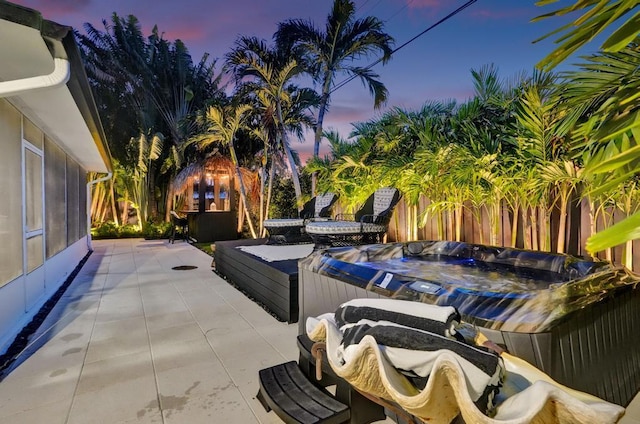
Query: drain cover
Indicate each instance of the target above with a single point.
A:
(184, 267)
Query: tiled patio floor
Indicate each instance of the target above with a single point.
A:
(133, 341)
(139, 342)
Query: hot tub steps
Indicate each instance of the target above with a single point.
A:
(289, 393)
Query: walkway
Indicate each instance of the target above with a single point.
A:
(136, 341)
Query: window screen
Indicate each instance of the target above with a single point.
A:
(55, 166)
(10, 193)
(73, 218)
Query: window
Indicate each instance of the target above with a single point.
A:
(73, 200)
(55, 169)
(11, 194)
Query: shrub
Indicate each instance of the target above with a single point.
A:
(156, 230)
(105, 230)
(129, 231)
(109, 229)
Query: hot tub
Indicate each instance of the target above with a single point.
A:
(577, 320)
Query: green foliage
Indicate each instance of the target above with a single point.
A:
(150, 231)
(283, 203)
(156, 230)
(602, 97)
(335, 49)
(129, 231)
(597, 17)
(142, 83)
(109, 230)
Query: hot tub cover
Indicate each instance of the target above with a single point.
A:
(561, 284)
(453, 386)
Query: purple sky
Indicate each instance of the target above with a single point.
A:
(434, 67)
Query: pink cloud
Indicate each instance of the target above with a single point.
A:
(425, 4)
(55, 7)
(499, 14)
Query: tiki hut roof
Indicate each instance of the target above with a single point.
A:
(215, 162)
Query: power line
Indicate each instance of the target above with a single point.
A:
(398, 11)
(374, 6)
(363, 4)
(442, 20)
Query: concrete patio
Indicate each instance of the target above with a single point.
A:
(133, 340)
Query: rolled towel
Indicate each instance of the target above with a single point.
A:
(436, 319)
(414, 353)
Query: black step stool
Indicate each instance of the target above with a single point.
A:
(296, 400)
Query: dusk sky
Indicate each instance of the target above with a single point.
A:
(434, 67)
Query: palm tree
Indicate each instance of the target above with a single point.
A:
(616, 92)
(331, 51)
(143, 83)
(541, 141)
(271, 71)
(138, 181)
(220, 124)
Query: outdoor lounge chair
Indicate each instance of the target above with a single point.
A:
(178, 224)
(291, 230)
(367, 226)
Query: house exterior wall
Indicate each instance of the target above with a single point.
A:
(42, 219)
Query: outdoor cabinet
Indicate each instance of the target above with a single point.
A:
(213, 226)
(213, 214)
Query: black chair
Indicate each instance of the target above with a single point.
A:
(179, 224)
(367, 226)
(291, 230)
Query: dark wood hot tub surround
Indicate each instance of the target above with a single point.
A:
(273, 284)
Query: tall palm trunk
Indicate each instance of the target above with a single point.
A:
(544, 218)
(272, 171)
(528, 228)
(458, 217)
(514, 225)
(292, 164)
(169, 201)
(440, 226)
(564, 204)
(243, 192)
(112, 195)
(494, 218)
(534, 228)
(262, 210)
(240, 215)
(322, 109)
(125, 210)
(408, 223)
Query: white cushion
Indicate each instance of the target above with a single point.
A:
(293, 222)
(382, 199)
(322, 202)
(344, 227)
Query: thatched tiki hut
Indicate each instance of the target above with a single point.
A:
(206, 192)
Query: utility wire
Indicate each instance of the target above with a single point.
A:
(374, 6)
(442, 20)
(363, 4)
(407, 4)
